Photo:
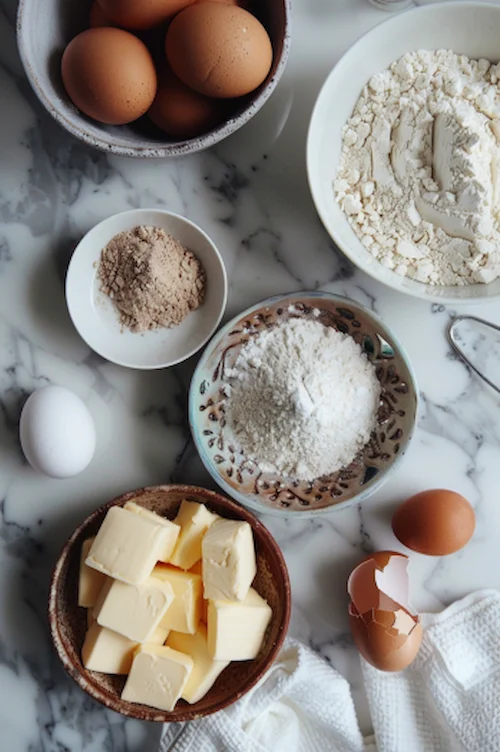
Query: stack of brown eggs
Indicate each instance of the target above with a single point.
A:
(183, 63)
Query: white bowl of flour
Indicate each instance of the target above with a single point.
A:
(404, 159)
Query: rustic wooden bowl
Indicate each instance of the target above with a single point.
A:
(68, 621)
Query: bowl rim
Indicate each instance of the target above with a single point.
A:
(171, 150)
(422, 291)
(248, 499)
(189, 712)
(137, 213)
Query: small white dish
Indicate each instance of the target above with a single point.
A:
(467, 28)
(95, 317)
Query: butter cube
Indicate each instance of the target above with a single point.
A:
(134, 611)
(107, 651)
(127, 546)
(205, 669)
(229, 564)
(198, 569)
(111, 653)
(194, 520)
(185, 612)
(157, 677)
(236, 629)
(171, 532)
(90, 581)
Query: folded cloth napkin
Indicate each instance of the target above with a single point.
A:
(300, 705)
(448, 700)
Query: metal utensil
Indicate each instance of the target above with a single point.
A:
(452, 338)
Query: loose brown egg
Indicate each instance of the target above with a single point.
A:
(109, 75)
(435, 522)
(142, 14)
(182, 112)
(384, 628)
(219, 50)
(98, 16)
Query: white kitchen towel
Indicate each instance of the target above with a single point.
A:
(448, 700)
(300, 705)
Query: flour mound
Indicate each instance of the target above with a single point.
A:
(419, 174)
(302, 399)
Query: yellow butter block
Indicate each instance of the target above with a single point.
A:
(157, 677)
(194, 520)
(236, 629)
(171, 530)
(107, 651)
(205, 669)
(134, 611)
(90, 581)
(229, 564)
(127, 546)
(185, 612)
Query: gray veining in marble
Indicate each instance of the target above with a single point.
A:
(250, 194)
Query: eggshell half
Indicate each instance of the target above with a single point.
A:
(382, 647)
(437, 522)
(219, 50)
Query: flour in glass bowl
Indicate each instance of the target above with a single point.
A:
(420, 165)
(301, 399)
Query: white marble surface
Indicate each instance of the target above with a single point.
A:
(250, 194)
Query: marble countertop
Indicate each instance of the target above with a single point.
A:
(251, 195)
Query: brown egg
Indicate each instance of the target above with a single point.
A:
(109, 75)
(142, 14)
(182, 112)
(98, 17)
(384, 628)
(219, 50)
(435, 522)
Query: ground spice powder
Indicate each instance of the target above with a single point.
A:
(152, 279)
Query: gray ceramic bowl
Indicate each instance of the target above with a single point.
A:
(271, 493)
(44, 28)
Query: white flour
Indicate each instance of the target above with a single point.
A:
(419, 168)
(302, 399)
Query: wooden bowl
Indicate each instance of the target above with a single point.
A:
(68, 621)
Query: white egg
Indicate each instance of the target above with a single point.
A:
(57, 432)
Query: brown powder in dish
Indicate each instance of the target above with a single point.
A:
(152, 279)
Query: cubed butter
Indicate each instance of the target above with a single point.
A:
(157, 677)
(205, 669)
(90, 581)
(171, 532)
(127, 546)
(194, 520)
(134, 611)
(229, 564)
(198, 569)
(185, 612)
(107, 651)
(111, 653)
(90, 617)
(236, 629)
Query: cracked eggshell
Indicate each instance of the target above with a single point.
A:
(385, 630)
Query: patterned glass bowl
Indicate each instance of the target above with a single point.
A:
(266, 492)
